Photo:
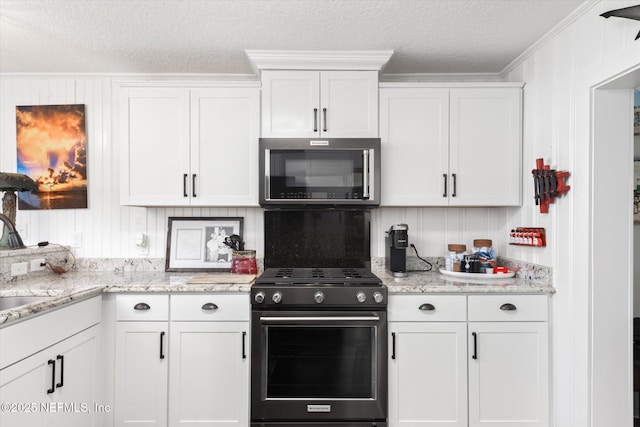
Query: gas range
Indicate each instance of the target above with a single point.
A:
(319, 288)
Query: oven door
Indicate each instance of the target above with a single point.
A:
(319, 366)
(324, 172)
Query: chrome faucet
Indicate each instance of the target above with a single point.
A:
(15, 242)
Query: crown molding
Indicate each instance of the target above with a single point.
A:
(440, 77)
(317, 60)
(450, 84)
(549, 35)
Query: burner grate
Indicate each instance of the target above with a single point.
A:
(284, 273)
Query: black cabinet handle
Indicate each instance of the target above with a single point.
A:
(324, 119)
(315, 120)
(444, 175)
(427, 307)
(244, 348)
(508, 307)
(475, 345)
(193, 185)
(141, 306)
(209, 306)
(53, 376)
(184, 185)
(393, 345)
(162, 345)
(61, 359)
(454, 185)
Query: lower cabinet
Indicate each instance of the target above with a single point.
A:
(182, 360)
(57, 385)
(208, 374)
(468, 361)
(509, 361)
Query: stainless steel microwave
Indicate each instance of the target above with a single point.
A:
(330, 171)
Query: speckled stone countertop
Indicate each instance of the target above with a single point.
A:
(434, 282)
(76, 286)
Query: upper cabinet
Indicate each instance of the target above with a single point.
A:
(329, 104)
(311, 94)
(461, 145)
(183, 146)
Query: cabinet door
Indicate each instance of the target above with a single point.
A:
(414, 132)
(509, 376)
(290, 104)
(428, 376)
(75, 391)
(154, 136)
(24, 383)
(485, 147)
(224, 146)
(349, 104)
(209, 374)
(142, 372)
(54, 387)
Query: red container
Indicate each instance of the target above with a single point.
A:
(244, 262)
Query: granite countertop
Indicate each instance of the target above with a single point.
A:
(434, 282)
(76, 286)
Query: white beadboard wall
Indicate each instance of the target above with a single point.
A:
(108, 230)
(560, 72)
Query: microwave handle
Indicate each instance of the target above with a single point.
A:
(365, 174)
(267, 174)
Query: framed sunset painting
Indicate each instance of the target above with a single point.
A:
(52, 150)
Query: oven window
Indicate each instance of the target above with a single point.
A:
(316, 174)
(320, 362)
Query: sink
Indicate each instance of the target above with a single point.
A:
(7, 303)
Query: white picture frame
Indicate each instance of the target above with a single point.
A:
(197, 243)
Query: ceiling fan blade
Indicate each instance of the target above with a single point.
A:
(631, 12)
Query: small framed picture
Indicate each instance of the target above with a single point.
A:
(198, 244)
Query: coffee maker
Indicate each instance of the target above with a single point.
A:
(396, 243)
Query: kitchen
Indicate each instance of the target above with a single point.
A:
(556, 103)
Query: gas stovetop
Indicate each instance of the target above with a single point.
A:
(318, 276)
(319, 288)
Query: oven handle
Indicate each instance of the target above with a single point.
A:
(322, 319)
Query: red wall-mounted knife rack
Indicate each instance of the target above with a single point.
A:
(548, 184)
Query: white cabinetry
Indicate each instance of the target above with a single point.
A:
(141, 360)
(481, 362)
(331, 104)
(203, 354)
(509, 363)
(209, 365)
(428, 364)
(57, 385)
(461, 145)
(181, 146)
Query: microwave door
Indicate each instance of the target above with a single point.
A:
(341, 174)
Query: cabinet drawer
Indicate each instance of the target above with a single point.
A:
(524, 308)
(158, 307)
(205, 307)
(435, 308)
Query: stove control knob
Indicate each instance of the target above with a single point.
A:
(361, 297)
(378, 298)
(277, 297)
(259, 297)
(318, 297)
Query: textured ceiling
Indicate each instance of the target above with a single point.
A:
(210, 36)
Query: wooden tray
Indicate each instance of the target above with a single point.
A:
(221, 278)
